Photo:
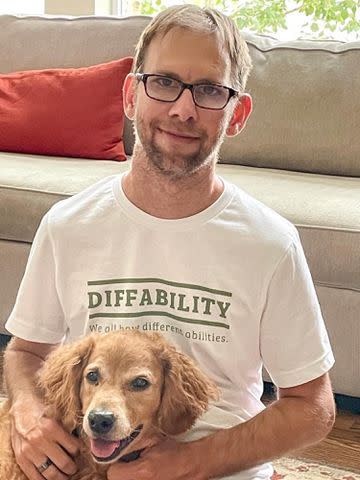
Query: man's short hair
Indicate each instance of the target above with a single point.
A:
(200, 20)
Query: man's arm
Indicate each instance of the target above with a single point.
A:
(302, 416)
(22, 361)
(34, 437)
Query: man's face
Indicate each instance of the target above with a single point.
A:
(179, 138)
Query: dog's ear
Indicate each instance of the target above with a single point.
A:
(60, 380)
(186, 392)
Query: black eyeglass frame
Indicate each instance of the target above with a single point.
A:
(142, 77)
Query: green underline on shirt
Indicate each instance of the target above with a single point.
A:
(159, 280)
(158, 314)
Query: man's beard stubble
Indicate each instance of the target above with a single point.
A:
(176, 165)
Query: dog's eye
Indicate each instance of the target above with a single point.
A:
(140, 383)
(93, 377)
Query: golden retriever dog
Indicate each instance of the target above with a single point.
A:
(120, 393)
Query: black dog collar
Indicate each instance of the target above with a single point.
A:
(131, 456)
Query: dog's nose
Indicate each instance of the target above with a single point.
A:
(101, 422)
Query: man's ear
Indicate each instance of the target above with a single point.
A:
(129, 93)
(240, 115)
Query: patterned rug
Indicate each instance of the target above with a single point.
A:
(296, 469)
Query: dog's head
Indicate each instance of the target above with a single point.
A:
(124, 389)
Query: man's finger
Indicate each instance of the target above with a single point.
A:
(39, 448)
(60, 458)
(24, 460)
(52, 431)
(30, 457)
(29, 469)
(69, 442)
(52, 473)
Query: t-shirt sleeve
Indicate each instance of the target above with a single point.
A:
(294, 343)
(37, 315)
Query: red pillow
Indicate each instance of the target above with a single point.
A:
(74, 112)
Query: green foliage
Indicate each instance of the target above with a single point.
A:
(147, 7)
(321, 17)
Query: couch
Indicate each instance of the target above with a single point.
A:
(299, 154)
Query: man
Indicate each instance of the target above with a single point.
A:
(171, 247)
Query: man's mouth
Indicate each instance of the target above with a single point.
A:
(179, 135)
(106, 450)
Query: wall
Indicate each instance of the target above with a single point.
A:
(78, 7)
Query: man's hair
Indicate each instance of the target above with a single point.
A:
(200, 20)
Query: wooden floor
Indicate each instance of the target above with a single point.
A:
(341, 448)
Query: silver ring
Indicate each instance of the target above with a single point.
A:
(44, 466)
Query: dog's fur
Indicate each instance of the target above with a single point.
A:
(176, 395)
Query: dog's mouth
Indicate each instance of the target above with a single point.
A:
(106, 450)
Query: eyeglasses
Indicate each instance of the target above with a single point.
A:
(167, 89)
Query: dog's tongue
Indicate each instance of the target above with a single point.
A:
(103, 448)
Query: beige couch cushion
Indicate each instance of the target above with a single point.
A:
(325, 209)
(48, 42)
(306, 113)
(31, 184)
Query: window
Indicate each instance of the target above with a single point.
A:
(22, 6)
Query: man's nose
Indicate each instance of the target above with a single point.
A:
(184, 107)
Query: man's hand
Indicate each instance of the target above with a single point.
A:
(168, 460)
(36, 439)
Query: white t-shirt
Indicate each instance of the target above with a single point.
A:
(229, 286)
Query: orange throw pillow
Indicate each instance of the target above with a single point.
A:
(72, 112)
